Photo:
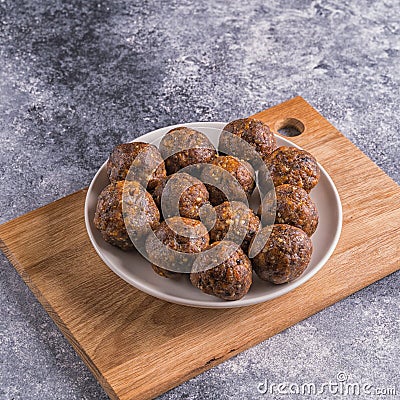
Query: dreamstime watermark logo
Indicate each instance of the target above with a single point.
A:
(342, 385)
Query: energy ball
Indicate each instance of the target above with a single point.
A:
(165, 273)
(229, 280)
(172, 243)
(235, 222)
(144, 158)
(190, 191)
(285, 254)
(256, 133)
(240, 187)
(290, 165)
(293, 207)
(140, 212)
(183, 146)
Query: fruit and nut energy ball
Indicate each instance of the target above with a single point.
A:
(234, 221)
(189, 192)
(230, 279)
(138, 215)
(293, 166)
(293, 207)
(142, 159)
(228, 178)
(182, 146)
(183, 236)
(252, 131)
(285, 253)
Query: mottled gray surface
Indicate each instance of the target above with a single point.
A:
(78, 77)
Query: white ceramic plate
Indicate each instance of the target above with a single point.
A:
(136, 270)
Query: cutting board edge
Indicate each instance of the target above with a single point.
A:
(293, 99)
(53, 313)
(215, 361)
(3, 226)
(311, 108)
(340, 295)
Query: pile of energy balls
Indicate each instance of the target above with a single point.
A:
(186, 205)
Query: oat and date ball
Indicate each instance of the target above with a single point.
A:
(234, 221)
(183, 236)
(230, 279)
(255, 132)
(144, 158)
(190, 193)
(293, 166)
(293, 207)
(184, 146)
(284, 255)
(232, 189)
(140, 212)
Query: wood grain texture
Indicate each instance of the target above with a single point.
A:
(138, 346)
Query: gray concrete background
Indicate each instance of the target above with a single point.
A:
(78, 77)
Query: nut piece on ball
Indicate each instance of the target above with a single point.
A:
(234, 222)
(240, 187)
(229, 280)
(188, 190)
(255, 132)
(183, 146)
(290, 165)
(144, 158)
(293, 207)
(285, 253)
(140, 212)
(172, 243)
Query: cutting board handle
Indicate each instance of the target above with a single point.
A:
(298, 120)
(289, 126)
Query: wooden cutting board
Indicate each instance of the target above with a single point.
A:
(138, 346)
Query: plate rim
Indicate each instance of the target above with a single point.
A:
(204, 303)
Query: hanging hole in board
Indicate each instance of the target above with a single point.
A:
(290, 127)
